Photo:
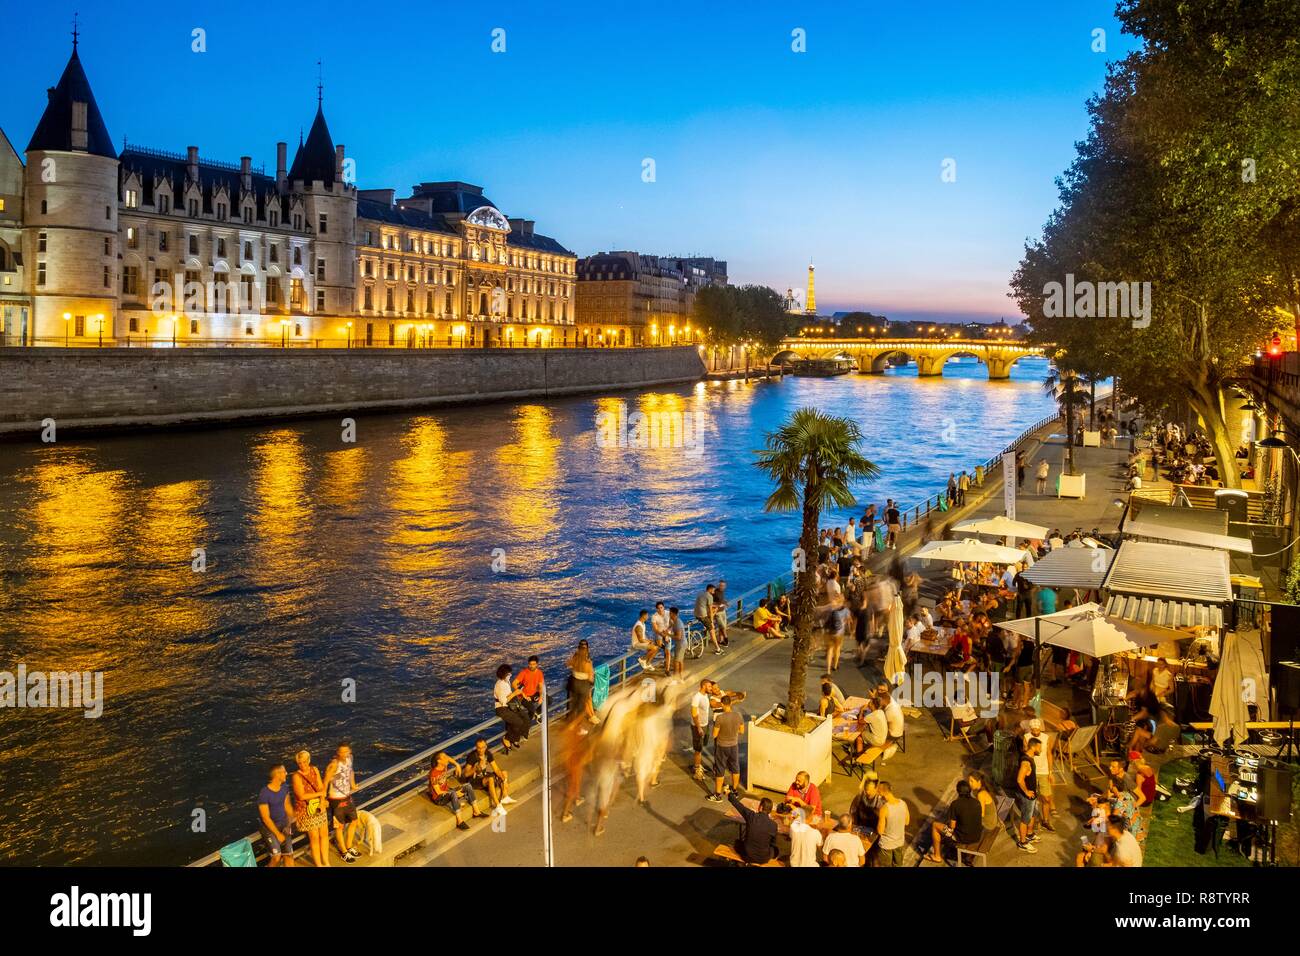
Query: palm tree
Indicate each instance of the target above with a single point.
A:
(813, 458)
(1063, 385)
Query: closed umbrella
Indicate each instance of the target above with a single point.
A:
(1241, 670)
(895, 657)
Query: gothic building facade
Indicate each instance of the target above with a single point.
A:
(154, 248)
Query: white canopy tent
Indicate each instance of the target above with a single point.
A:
(969, 550)
(1003, 527)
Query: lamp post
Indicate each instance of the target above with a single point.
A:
(99, 317)
(349, 334)
(67, 317)
(284, 333)
(175, 323)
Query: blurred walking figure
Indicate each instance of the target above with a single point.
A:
(651, 733)
(576, 746)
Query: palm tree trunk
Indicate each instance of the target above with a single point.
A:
(1069, 425)
(805, 601)
(1092, 403)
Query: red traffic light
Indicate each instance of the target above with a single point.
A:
(1275, 346)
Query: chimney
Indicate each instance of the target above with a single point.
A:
(79, 138)
(192, 163)
(338, 163)
(246, 173)
(280, 150)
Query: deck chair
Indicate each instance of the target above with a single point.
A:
(962, 719)
(1082, 748)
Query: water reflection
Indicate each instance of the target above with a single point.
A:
(373, 562)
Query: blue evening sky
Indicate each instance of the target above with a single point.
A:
(763, 157)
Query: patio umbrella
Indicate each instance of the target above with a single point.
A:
(1241, 666)
(1003, 527)
(969, 550)
(1093, 635)
(895, 657)
(1048, 626)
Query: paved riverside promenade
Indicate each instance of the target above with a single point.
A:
(677, 826)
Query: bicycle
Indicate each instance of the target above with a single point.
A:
(695, 638)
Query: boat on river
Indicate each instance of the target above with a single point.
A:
(822, 368)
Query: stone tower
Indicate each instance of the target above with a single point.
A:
(811, 302)
(330, 201)
(70, 216)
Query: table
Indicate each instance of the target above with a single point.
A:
(825, 823)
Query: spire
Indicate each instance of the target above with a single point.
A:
(54, 131)
(320, 86)
(314, 161)
(74, 33)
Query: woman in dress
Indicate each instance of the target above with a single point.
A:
(309, 807)
(582, 678)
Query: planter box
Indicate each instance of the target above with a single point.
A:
(775, 756)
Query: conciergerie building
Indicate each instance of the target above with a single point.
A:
(154, 247)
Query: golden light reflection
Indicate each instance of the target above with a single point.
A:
(424, 487)
(170, 528)
(530, 470)
(280, 515)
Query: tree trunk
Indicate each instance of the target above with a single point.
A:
(805, 601)
(1207, 402)
(1068, 384)
(1092, 404)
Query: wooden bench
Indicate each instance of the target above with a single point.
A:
(725, 851)
(980, 850)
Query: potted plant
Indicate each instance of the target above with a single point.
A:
(812, 459)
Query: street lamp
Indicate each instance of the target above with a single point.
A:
(99, 317)
(349, 334)
(175, 323)
(284, 334)
(67, 317)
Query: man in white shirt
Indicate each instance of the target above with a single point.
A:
(847, 842)
(804, 841)
(915, 628)
(701, 714)
(659, 625)
(1042, 768)
(1009, 576)
(1126, 850)
(640, 642)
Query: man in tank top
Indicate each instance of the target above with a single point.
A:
(339, 785)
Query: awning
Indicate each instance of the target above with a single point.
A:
(1071, 568)
(1202, 527)
(1171, 572)
(1158, 613)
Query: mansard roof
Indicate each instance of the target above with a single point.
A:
(213, 176)
(400, 216)
(314, 161)
(535, 240)
(54, 131)
(452, 198)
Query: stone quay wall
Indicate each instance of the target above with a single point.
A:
(101, 389)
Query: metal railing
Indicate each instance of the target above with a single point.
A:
(402, 778)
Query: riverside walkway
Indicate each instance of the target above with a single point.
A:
(677, 826)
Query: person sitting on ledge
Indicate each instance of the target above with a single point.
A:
(447, 789)
(765, 621)
(482, 769)
(964, 826)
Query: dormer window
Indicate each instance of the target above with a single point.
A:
(221, 210)
(248, 214)
(275, 218)
(164, 203)
(194, 208)
(131, 199)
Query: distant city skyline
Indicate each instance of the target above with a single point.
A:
(762, 156)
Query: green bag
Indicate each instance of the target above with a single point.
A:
(239, 853)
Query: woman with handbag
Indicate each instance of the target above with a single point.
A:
(309, 808)
(509, 703)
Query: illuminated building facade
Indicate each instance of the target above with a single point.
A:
(628, 298)
(156, 248)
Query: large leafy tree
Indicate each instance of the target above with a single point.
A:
(813, 459)
(729, 315)
(1188, 180)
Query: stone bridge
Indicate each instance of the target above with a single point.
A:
(873, 355)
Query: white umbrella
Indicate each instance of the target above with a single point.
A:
(1003, 527)
(1094, 636)
(969, 550)
(1049, 626)
(895, 657)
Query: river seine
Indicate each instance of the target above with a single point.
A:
(411, 562)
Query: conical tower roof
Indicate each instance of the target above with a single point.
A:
(315, 158)
(54, 131)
